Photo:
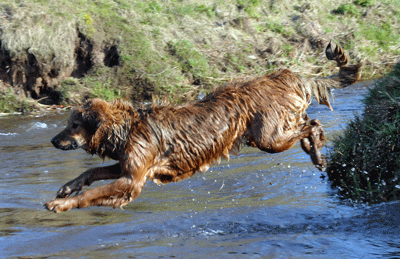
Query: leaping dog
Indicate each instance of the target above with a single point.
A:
(168, 144)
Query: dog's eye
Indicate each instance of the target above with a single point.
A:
(75, 125)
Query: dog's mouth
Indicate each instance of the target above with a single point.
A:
(65, 144)
(69, 147)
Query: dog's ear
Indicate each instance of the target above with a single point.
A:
(91, 117)
(112, 126)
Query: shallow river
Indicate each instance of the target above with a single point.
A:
(255, 206)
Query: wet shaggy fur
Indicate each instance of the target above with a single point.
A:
(168, 144)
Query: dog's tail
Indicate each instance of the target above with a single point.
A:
(347, 75)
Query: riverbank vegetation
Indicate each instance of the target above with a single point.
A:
(63, 52)
(364, 162)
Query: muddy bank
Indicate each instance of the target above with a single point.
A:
(30, 74)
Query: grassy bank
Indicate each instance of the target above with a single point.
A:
(364, 163)
(67, 51)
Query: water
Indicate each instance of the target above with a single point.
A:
(255, 206)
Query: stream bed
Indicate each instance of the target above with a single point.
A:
(257, 205)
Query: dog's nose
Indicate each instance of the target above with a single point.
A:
(54, 141)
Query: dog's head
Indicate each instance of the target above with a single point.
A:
(98, 127)
(82, 125)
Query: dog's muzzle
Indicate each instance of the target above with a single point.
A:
(64, 144)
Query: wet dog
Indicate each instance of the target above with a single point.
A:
(167, 143)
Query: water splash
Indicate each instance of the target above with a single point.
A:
(38, 125)
(8, 134)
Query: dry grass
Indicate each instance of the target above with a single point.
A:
(29, 27)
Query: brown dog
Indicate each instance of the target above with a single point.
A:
(167, 144)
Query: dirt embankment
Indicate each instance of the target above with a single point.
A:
(37, 76)
(66, 51)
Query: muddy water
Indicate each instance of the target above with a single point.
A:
(256, 206)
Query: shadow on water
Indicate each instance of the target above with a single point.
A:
(255, 206)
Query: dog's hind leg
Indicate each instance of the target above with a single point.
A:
(312, 139)
(88, 177)
(310, 134)
(313, 144)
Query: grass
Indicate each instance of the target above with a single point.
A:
(194, 65)
(177, 49)
(364, 163)
(105, 91)
(12, 103)
(366, 3)
(349, 9)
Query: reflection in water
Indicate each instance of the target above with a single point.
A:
(257, 205)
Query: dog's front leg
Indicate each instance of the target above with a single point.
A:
(88, 177)
(118, 193)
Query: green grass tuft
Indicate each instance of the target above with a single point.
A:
(349, 9)
(11, 102)
(364, 162)
(366, 3)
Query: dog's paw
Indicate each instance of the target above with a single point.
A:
(315, 122)
(59, 205)
(64, 191)
(70, 187)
